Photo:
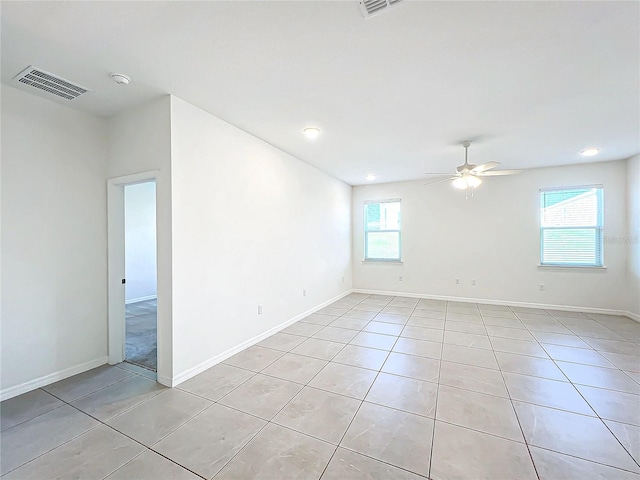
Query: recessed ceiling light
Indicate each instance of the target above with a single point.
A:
(311, 132)
(589, 152)
(120, 79)
(370, 176)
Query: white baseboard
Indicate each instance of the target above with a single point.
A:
(140, 299)
(192, 372)
(50, 378)
(567, 308)
(633, 316)
(166, 381)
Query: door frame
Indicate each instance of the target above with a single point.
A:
(116, 260)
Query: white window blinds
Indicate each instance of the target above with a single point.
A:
(571, 226)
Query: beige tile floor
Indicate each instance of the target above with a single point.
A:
(370, 387)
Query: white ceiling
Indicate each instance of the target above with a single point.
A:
(533, 83)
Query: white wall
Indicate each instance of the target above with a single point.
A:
(140, 241)
(54, 241)
(251, 225)
(140, 141)
(493, 238)
(633, 238)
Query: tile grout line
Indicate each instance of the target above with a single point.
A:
(389, 352)
(100, 424)
(359, 406)
(268, 422)
(553, 408)
(396, 409)
(435, 407)
(54, 448)
(132, 374)
(588, 403)
(513, 407)
(397, 337)
(554, 361)
(37, 416)
(128, 436)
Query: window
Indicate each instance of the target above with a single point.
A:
(382, 230)
(571, 224)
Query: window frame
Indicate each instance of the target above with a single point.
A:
(366, 231)
(598, 229)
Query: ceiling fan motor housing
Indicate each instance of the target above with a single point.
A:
(467, 167)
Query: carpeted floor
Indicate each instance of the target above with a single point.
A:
(141, 334)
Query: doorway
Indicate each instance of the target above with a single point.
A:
(132, 299)
(141, 286)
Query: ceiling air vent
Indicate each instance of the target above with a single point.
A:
(373, 7)
(50, 83)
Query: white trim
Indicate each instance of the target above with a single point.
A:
(633, 316)
(389, 200)
(570, 267)
(166, 381)
(16, 390)
(566, 308)
(135, 178)
(115, 259)
(381, 260)
(572, 187)
(192, 372)
(141, 299)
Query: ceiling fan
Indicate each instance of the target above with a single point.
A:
(468, 175)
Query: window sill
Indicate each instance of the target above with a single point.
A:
(392, 262)
(572, 267)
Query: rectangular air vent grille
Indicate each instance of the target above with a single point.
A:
(50, 83)
(373, 7)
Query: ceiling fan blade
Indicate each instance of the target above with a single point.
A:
(485, 166)
(441, 180)
(498, 172)
(441, 174)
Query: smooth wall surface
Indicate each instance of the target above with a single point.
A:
(140, 241)
(54, 238)
(251, 226)
(633, 238)
(494, 239)
(140, 141)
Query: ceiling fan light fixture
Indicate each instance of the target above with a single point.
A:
(473, 181)
(460, 183)
(467, 181)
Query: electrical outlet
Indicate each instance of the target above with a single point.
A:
(304, 292)
(457, 281)
(473, 282)
(259, 309)
(400, 278)
(541, 287)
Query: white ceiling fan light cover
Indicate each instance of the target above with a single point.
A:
(467, 181)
